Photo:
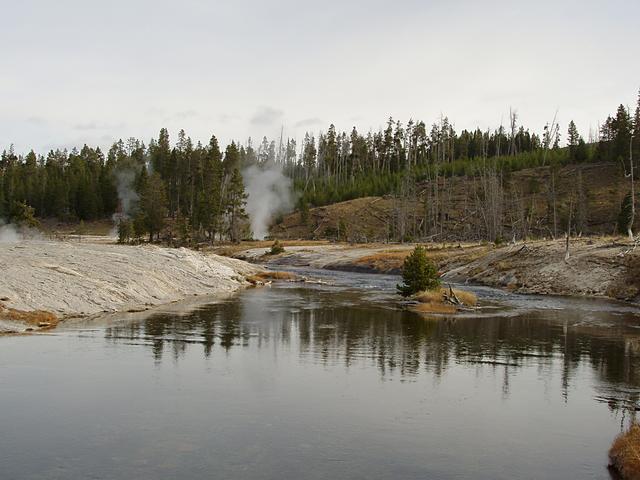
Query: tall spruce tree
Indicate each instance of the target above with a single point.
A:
(153, 205)
(236, 200)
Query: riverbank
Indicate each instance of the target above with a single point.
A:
(606, 267)
(59, 280)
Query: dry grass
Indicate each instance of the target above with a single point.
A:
(231, 249)
(384, 261)
(627, 287)
(38, 318)
(263, 277)
(96, 227)
(389, 260)
(437, 296)
(624, 454)
(434, 301)
(504, 265)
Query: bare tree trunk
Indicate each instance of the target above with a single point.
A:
(633, 193)
(566, 250)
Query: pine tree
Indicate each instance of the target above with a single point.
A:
(160, 153)
(125, 230)
(418, 274)
(210, 197)
(573, 138)
(153, 205)
(231, 158)
(236, 200)
(622, 130)
(23, 215)
(184, 230)
(625, 217)
(304, 211)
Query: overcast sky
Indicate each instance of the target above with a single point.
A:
(82, 71)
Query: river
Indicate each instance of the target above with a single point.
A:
(324, 381)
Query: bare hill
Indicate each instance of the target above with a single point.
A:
(531, 203)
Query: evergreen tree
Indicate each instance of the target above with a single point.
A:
(625, 217)
(125, 230)
(231, 158)
(236, 200)
(23, 215)
(210, 197)
(153, 205)
(418, 274)
(573, 138)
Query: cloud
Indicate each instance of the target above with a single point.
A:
(266, 116)
(36, 120)
(86, 126)
(225, 117)
(182, 115)
(93, 125)
(308, 122)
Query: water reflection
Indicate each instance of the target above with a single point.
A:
(337, 327)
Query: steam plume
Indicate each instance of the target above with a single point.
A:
(126, 192)
(10, 232)
(269, 194)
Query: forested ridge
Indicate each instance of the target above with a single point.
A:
(201, 185)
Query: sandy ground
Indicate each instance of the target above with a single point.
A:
(597, 267)
(324, 256)
(81, 279)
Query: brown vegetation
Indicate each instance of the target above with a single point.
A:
(627, 287)
(624, 454)
(383, 262)
(442, 255)
(534, 203)
(261, 278)
(443, 300)
(440, 295)
(55, 228)
(233, 249)
(37, 318)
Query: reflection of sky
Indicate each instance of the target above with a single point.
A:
(76, 71)
(290, 382)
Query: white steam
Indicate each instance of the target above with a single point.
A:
(269, 194)
(10, 233)
(127, 197)
(126, 190)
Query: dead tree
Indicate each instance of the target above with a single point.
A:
(566, 250)
(633, 193)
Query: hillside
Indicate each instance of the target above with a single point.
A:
(533, 203)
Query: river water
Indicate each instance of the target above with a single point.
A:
(326, 381)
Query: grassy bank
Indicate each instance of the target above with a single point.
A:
(624, 454)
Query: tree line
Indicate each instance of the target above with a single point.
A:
(341, 166)
(140, 186)
(201, 187)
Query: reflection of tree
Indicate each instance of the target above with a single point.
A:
(338, 327)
